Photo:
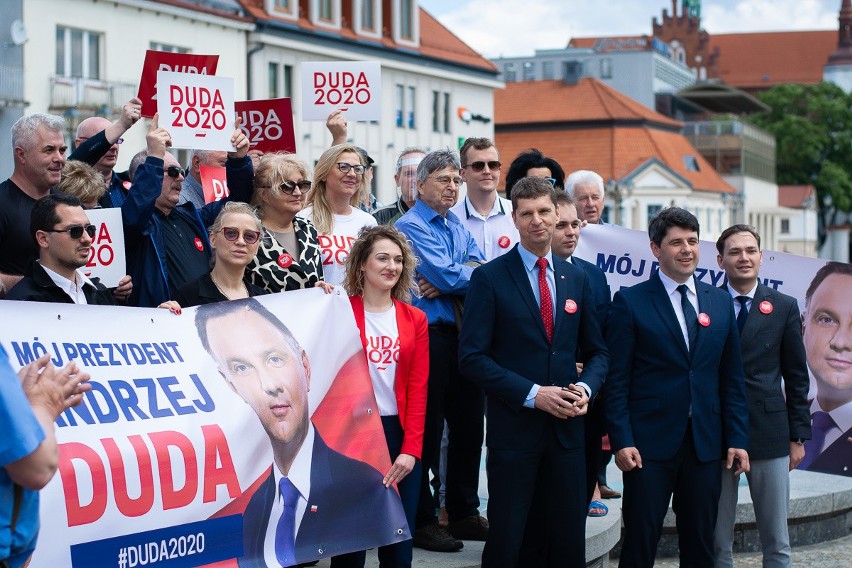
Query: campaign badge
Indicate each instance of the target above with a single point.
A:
(198, 244)
(504, 242)
(571, 306)
(703, 319)
(285, 260)
(765, 308)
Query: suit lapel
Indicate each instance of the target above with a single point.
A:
(705, 306)
(661, 302)
(563, 281)
(518, 273)
(755, 321)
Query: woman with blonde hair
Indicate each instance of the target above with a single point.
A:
(379, 280)
(289, 255)
(332, 206)
(234, 238)
(83, 182)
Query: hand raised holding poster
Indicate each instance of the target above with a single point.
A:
(196, 110)
(351, 86)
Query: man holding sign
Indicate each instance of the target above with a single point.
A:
(64, 238)
(167, 244)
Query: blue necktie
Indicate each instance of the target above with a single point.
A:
(822, 423)
(743, 315)
(285, 532)
(689, 315)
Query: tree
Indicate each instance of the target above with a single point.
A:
(812, 125)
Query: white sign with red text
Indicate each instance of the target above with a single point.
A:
(353, 86)
(106, 258)
(197, 110)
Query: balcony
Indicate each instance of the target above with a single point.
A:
(11, 86)
(734, 147)
(76, 92)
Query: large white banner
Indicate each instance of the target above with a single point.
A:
(174, 457)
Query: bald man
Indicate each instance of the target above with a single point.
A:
(97, 144)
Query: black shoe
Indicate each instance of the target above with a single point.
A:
(474, 527)
(436, 538)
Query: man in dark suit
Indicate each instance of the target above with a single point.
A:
(773, 351)
(315, 502)
(828, 343)
(527, 314)
(675, 397)
(566, 237)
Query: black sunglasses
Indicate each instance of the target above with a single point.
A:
(493, 165)
(76, 231)
(175, 172)
(289, 187)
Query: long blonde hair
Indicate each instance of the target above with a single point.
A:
(323, 216)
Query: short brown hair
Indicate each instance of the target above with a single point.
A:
(476, 143)
(532, 188)
(733, 230)
(82, 181)
(353, 281)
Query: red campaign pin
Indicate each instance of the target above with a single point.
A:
(285, 260)
(571, 306)
(198, 244)
(703, 319)
(504, 242)
(765, 308)
(126, 185)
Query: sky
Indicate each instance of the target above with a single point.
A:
(519, 27)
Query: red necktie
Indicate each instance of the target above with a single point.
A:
(546, 303)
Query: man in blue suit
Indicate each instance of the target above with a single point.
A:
(675, 397)
(314, 502)
(527, 315)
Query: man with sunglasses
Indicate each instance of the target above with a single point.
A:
(167, 244)
(97, 144)
(64, 236)
(485, 214)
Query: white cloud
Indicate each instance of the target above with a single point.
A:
(519, 27)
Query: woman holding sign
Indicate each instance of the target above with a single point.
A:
(289, 254)
(339, 187)
(234, 238)
(379, 279)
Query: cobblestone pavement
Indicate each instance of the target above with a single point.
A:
(830, 554)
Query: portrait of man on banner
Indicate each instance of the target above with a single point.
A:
(827, 331)
(313, 502)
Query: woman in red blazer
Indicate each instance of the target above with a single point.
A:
(379, 279)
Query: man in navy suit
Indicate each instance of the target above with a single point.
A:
(675, 397)
(315, 502)
(527, 314)
(566, 237)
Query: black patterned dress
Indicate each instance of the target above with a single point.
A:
(276, 269)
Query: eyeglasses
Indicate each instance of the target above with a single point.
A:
(551, 181)
(357, 169)
(493, 165)
(175, 172)
(232, 234)
(447, 180)
(76, 231)
(289, 187)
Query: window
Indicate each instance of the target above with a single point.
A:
(605, 214)
(548, 70)
(288, 81)
(412, 98)
(406, 19)
(273, 80)
(529, 71)
(785, 226)
(691, 163)
(652, 211)
(368, 15)
(400, 102)
(325, 10)
(323, 13)
(276, 89)
(283, 8)
(78, 53)
(509, 74)
(436, 111)
(170, 48)
(447, 113)
(606, 68)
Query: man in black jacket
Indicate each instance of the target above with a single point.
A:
(63, 235)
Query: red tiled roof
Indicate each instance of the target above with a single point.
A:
(611, 147)
(761, 60)
(588, 99)
(435, 40)
(794, 195)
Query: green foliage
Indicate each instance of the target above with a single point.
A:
(813, 128)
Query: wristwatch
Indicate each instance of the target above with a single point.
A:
(799, 441)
